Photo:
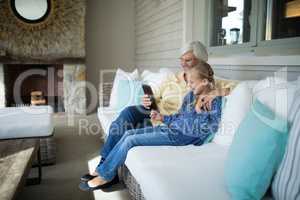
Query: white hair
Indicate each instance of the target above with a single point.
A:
(198, 49)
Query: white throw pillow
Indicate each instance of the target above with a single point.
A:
(236, 106)
(155, 79)
(167, 70)
(296, 83)
(121, 75)
(276, 93)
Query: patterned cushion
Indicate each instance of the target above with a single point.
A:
(286, 184)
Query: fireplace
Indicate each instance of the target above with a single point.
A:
(62, 86)
(22, 81)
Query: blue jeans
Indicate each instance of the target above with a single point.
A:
(149, 136)
(131, 117)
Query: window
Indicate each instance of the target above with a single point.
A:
(253, 25)
(231, 22)
(282, 19)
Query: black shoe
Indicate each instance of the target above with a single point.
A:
(84, 186)
(87, 177)
(115, 180)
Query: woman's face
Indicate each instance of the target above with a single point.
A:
(188, 60)
(196, 84)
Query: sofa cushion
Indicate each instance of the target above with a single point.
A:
(129, 93)
(286, 184)
(255, 153)
(235, 108)
(120, 75)
(155, 79)
(106, 116)
(277, 93)
(176, 173)
(22, 122)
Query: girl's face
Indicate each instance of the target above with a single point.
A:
(196, 84)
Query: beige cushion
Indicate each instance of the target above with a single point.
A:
(225, 83)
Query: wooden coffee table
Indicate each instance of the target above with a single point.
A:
(16, 157)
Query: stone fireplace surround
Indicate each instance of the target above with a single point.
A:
(74, 88)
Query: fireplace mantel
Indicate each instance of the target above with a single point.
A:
(46, 60)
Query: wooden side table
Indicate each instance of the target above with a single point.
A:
(16, 157)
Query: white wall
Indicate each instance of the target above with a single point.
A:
(109, 37)
(158, 32)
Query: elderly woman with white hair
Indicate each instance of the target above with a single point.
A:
(169, 98)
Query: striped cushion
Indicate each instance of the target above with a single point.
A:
(286, 184)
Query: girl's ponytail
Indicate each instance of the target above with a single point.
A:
(204, 71)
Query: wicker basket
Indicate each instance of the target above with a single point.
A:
(131, 183)
(48, 151)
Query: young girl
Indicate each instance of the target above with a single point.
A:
(191, 125)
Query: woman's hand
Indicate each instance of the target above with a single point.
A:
(146, 101)
(156, 116)
(204, 102)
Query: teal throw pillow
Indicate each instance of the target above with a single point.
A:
(256, 152)
(129, 93)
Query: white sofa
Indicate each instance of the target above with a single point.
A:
(163, 167)
(176, 173)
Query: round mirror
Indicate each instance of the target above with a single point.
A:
(31, 11)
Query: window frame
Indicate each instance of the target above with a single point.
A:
(257, 44)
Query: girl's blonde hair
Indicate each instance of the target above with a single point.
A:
(203, 71)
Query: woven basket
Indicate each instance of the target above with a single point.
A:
(131, 183)
(48, 151)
